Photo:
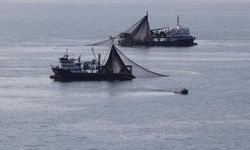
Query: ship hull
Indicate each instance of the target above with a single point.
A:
(168, 42)
(66, 75)
(177, 42)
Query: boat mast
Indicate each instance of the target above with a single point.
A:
(93, 53)
(111, 38)
(67, 52)
(99, 63)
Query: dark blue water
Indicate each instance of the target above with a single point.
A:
(37, 113)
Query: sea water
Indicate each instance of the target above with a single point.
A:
(37, 113)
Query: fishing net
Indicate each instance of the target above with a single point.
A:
(115, 64)
(139, 32)
(106, 42)
(137, 70)
(136, 25)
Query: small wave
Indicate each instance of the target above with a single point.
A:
(146, 93)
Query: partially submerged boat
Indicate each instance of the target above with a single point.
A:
(72, 69)
(140, 34)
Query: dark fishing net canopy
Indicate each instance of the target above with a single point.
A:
(139, 32)
(114, 64)
(117, 61)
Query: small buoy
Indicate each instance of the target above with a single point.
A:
(183, 91)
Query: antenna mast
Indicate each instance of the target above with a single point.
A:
(178, 21)
(67, 52)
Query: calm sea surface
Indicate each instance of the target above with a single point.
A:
(37, 113)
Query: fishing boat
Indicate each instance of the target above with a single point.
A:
(73, 69)
(140, 34)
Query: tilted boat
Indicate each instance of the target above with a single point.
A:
(72, 69)
(140, 34)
